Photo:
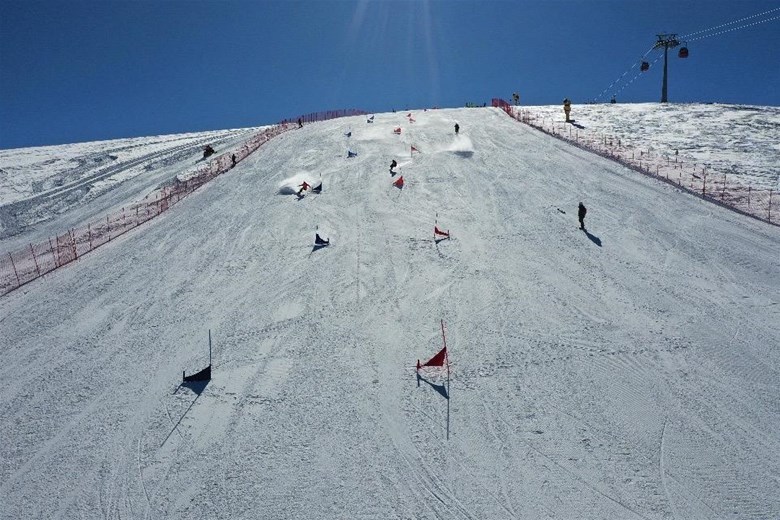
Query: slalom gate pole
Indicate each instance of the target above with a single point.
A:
(447, 357)
(446, 353)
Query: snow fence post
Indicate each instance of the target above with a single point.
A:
(37, 269)
(73, 243)
(18, 282)
(57, 257)
(704, 183)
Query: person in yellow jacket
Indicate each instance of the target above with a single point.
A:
(567, 108)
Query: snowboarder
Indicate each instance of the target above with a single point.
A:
(303, 187)
(393, 165)
(567, 109)
(457, 128)
(351, 154)
(581, 210)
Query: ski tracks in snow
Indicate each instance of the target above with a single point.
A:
(663, 471)
(574, 505)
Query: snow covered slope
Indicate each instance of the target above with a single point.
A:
(47, 190)
(742, 141)
(630, 371)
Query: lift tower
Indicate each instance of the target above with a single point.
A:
(666, 41)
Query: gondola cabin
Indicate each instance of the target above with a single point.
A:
(644, 66)
(683, 52)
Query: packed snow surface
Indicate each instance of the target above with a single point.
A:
(631, 370)
(741, 141)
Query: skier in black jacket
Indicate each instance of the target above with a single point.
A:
(581, 214)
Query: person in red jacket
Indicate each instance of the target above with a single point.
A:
(303, 187)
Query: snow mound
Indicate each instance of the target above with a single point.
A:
(461, 145)
(292, 184)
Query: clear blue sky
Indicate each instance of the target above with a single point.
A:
(74, 71)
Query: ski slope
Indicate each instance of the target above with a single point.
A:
(49, 189)
(630, 371)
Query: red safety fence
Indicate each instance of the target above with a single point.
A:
(35, 260)
(702, 181)
(326, 115)
(503, 105)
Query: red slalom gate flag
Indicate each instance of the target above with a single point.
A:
(414, 149)
(399, 182)
(439, 359)
(437, 231)
(436, 361)
(397, 130)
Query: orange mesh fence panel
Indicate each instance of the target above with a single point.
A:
(66, 249)
(500, 103)
(44, 256)
(9, 274)
(25, 265)
(81, 240)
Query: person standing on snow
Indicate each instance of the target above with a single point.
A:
(457, 128)
(581, 210)
(567, 108)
